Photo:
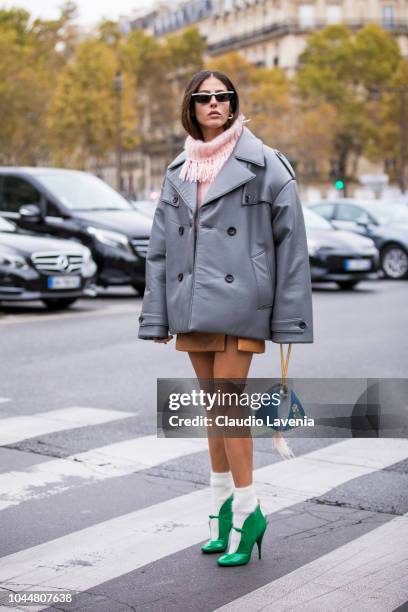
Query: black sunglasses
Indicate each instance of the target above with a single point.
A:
(220, 96)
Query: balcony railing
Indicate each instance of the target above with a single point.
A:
(294, 26)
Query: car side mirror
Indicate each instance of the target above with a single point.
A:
(31, 212)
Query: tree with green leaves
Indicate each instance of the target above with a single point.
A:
(31, 57)
(340, 67)
(82, 113)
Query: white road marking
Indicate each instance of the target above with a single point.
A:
(4, 400)
(83, 559)
(96, 312)
(113, 460)
(369, 574)
(15, 429)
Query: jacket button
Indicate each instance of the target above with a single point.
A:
(175, 199)
(181, 230)
(229, 278)
(302, 325)
(141, 318)
(247, 198)
(180, 276)
(232, 231)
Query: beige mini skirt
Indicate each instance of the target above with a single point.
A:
(208, 341)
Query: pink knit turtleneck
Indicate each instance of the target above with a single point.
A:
(205, 159)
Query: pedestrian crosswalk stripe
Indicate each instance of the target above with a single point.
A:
(368, 573)
(4, 400)
(83, 559)
(113, 460)
(17, 428)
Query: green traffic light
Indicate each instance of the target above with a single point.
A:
(340, 184)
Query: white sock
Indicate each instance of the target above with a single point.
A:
(222, 487)
(244, 502)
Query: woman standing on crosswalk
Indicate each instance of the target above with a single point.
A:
(227, 268)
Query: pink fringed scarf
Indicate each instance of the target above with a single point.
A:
(204, 159)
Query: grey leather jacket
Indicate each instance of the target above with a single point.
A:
(246, 271)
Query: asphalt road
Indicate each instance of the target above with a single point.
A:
(91, 500)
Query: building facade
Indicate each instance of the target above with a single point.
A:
(266, 32)
(272, 32)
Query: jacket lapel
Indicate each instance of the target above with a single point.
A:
(233, 173)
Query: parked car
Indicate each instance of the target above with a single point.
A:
(58, 272)
(146, 207)
(337, 255)
(385, 223)
(79, 206)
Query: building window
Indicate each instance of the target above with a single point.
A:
(388, 15)
(307, 15)
(334, 13)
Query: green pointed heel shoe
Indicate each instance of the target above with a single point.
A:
(224, 527)
(252, 531)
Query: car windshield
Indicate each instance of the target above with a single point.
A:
(388, 213)
(7, 226)
(83, 191)
(145, 206)
(315, 221)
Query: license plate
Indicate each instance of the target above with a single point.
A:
(64, 282)
(357, 264)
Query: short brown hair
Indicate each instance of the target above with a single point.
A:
(188, 118)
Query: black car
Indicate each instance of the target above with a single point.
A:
(337, 255)
(385, 223)
(79, 206)
(58, 272)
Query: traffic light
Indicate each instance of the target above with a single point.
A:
(337, 175)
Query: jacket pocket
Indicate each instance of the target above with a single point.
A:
(255, 192)
(263, 279)
(169, 195)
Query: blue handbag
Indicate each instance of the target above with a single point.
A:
(284, 404)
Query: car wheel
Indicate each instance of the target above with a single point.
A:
(59, 303)
(347, 284)
(394, 262)
(140, 288)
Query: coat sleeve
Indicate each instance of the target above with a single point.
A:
(292, 313)
(153, 321)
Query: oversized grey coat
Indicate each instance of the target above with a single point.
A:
(247, 271)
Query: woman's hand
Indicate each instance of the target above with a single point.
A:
(163, 340)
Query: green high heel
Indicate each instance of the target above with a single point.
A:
(224, 527)
(252, 531)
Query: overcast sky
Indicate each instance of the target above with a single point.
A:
(90, 11)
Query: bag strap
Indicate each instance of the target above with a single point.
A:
(284, 362)
(279, 441)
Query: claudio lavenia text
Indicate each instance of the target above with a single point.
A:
(249, 421)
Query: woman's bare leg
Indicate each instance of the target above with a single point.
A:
(232, 364)
(203, 364)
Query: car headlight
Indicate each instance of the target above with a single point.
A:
(89, 267)
(109, 237)
(87, 254)
(13, 260)
(369, 248)
(312, 247)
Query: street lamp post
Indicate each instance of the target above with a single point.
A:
(118, 84)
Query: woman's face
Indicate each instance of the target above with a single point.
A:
(223, 109)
